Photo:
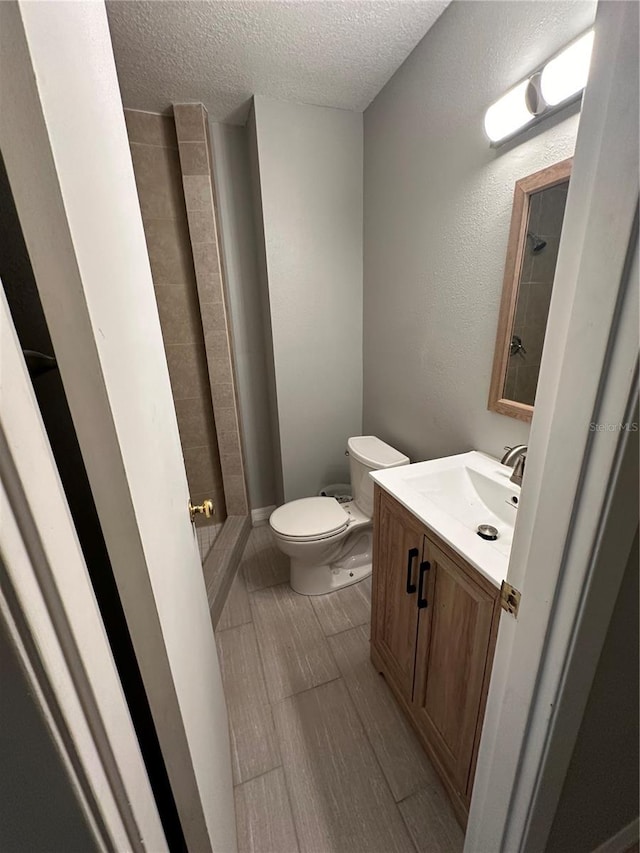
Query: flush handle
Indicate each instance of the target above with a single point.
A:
(205, 508)
(411, 555)
(424, 568)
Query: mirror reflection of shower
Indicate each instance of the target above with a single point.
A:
(545, 215)
(537, 243)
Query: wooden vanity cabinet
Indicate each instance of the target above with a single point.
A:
(398, 550)
(433, 640)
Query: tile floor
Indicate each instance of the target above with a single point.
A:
(206, 536)
(323, 760)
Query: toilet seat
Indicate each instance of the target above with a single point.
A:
(309, 519)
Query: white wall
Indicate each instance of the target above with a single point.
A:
(437, 207)
(76, 197)
(310, 168)
(235, 207)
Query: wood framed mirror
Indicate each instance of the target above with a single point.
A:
(534, 237)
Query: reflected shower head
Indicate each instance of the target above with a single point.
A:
(537, 243)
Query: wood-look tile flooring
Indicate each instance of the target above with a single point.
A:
(323, 760)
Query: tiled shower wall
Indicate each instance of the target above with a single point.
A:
(156, 163)
(546, 214)
(192, 128)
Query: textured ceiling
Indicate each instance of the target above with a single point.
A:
(336, 53)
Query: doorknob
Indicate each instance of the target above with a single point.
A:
(205, 508)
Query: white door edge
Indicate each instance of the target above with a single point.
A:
(563, 497)
(58, 634)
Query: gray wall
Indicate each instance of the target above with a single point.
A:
(437, 208)
(600, 793)
(235, 206)
(310, 172)
(261, 255)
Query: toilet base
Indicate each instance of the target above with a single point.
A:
(319, 580)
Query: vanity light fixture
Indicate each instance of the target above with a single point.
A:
(552, 86)
(566, 75)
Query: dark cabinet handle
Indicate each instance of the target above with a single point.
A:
(424, 568)
(413, 553)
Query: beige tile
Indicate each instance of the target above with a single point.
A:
(213, 317)
(527, 264)
(527, 383)
(521, 307)
(533, 341)
(202, 226)
(236, 495)
(187, 370)
(263, 816)
(228, 443)
(219, 501)
(294, 650)
(206, 536)
(544, 264)
(157, 174)
(205, 258)
(346, 608)
(231, 464)
(194, 416)
(222, 395)
(150, 128)
(397, 749)
(202, 466)
(226, 421)
(169, 251)
(263, 564)
(219, 366)
(554, 201)
(236, 610)
(217, 343)
(339, 799)
(254, 747)
(511, 380)
(197, 192)
(193, 158)
(190, 122)
(431, 822)
(538, 302)
(237, 530)
(179, 314)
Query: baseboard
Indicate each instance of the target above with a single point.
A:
(261, 515)
(621, 841)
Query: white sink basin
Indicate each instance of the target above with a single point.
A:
(454, 495)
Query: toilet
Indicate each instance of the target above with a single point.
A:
(330, 544)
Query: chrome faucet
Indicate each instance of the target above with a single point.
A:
(515, 458)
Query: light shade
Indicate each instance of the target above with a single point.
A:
(508, 114)
(566, 75)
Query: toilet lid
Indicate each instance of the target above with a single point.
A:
(308, 518)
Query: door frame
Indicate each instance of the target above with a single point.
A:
(65, 147)
(52, 618)
(578, 477)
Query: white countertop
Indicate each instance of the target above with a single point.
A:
(419, 489)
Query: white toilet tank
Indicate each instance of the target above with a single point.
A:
(368, 453)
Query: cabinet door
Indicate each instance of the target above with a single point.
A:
(398, 542)
(454, 636)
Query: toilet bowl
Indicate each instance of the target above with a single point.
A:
(330, 544)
